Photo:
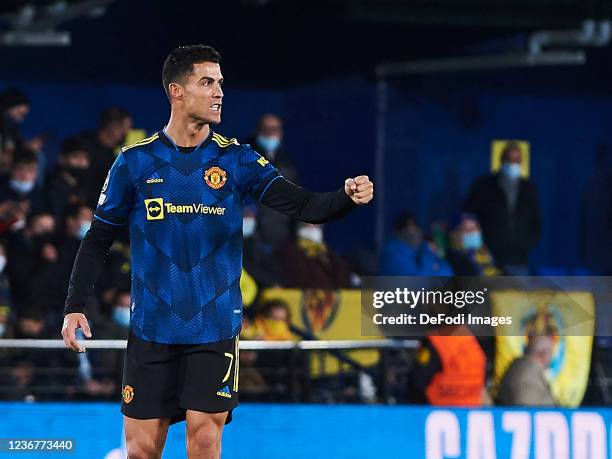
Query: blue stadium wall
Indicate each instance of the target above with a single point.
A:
(338, 432)
(438, 142)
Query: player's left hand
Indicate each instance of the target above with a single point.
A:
(359, 189)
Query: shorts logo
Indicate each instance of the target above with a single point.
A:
(127, 393)
(155, 208)
(215, 177)
(225, 392)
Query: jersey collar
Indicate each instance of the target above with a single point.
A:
(167, 140)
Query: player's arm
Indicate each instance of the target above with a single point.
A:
(88, 263)
(113, 209)
(312, 207)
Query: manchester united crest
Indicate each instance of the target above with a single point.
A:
(215, 177)
(127, 393)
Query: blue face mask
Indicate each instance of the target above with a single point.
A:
(511, 170)
(248, 226)
(82, 231)
(22, 186)
(472, 241)
(121, 316)
(2, 330)
(270, 144)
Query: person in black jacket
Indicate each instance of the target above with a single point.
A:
(273, 228)
(507, 207)
(68, 184)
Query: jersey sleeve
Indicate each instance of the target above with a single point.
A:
(256, 173)
(117, 195)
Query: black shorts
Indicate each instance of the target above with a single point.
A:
(165, 380)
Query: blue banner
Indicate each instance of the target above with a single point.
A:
(331, 431)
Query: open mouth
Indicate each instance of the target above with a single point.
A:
(216, 107)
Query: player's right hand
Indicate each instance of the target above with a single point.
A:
(73, 321)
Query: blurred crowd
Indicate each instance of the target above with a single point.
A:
(46, 208)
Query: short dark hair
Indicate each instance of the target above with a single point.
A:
(179, 62)
(11, 97)
(267, 307)
(510, 146)
(74, 209)
(25, 157)
(403, 220)
(72, 145)
(112, 115)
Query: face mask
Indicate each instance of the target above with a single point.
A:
(248, 226)
(472, 241)
(311, 233)
(41, 239)
(76, 172)
(2, 329)
(82, 231)
(270, 144)
(511, 170)
(2, 262)
(121, 316)
(276, 329)
(22, 186)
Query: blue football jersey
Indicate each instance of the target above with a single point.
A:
(184, 212)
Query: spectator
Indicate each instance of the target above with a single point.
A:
(69, 184)
(258, 256)
(6, 330)
(268, 142)
(19, 194)
(5, 290)
(121, 314)
(14, 107)
(35, 371)
(467, 253)
(116, 275)
(76, 224)
(307, 262)
(272, 322)
(31, 253)
(104, 378)
(273, 227)
(524, 383)
(507, 208)
(113, 126)
(77, 220)
(449, 370)
(407, 254)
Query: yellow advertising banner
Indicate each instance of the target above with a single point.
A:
(328, 315)
(559, 314)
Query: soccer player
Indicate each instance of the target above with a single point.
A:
(181, 191)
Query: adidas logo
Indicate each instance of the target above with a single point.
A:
(225, 392)
(155, 180)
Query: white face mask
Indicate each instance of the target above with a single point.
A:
(248, 226)
(82, 231)
(311, 233)
(2, 263)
